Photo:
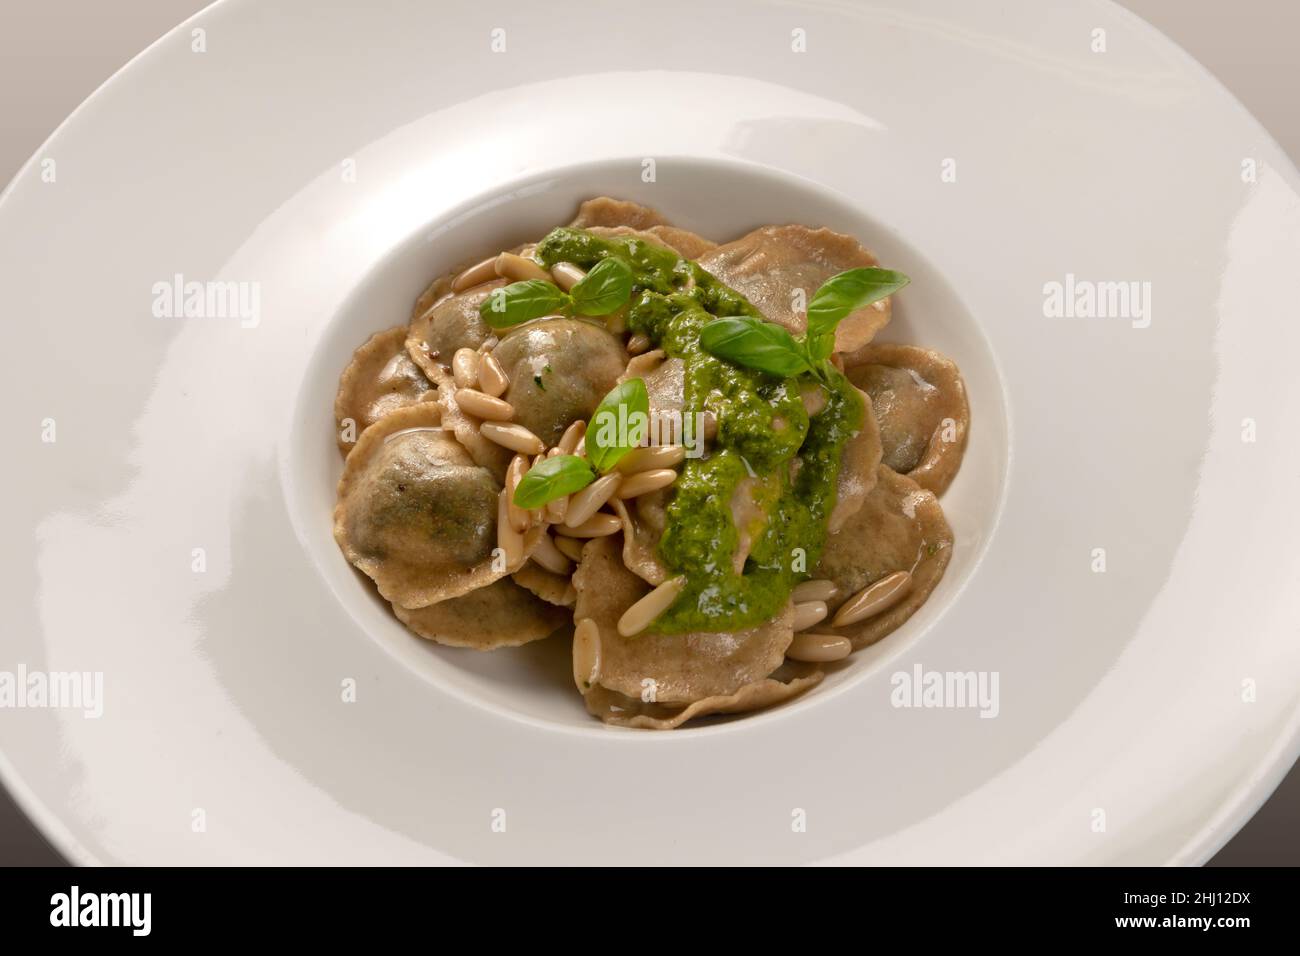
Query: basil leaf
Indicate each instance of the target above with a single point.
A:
(552, 478)
(605, 289)
(619, 424)
(820, 346)
(847, 292)
(521, 302)
(755, 344)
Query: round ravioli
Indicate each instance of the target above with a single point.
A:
(770, 264)
(681, 241)
(920, 402)
(900, 527)
(667, 668)
(381, 378)
(416, 514)
(502, 614)
(436, 290)
(619, 217)
(451, 323)
(685, 243)
(791, 680)
(606, 212)
(559, 370)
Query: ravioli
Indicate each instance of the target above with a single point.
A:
(501, 614)
(554, 589)
(858, 470)
(559, 370)
(681, 241)
(643, 525)
(452, 323)
(381, 378)
(435, 291)
(685, 243)
(623, 711)
(920, 401)
(900, 527)
(671, 668)
(617, 217)
(604, 212)
(768, 265)
(665, 382)
(416, 514)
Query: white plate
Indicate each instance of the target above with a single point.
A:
(1145, 711)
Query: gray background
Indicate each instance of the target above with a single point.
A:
(53, 54)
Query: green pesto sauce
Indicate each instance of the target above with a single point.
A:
(787, 462)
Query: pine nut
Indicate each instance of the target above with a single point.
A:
(874, 599)
(637, 344)
(616, 321)
(585, 503)
(820, 590)
(808, 613)
(644, 482)
(586, 654)
(818, 648)
(645, 363)
(597, 526)
(519, 517)
(510, 541)
(557, 510)
(571, 548)
(642, 614)
(651, 458)
(464, 368)
(518, 269)
(567, 275)
(572, 435)
(710, 425)
(515, 437)
(476, 274)
(492, 377)
(548, 556)
(484, 406)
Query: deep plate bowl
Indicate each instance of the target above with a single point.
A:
(535, 681)
(175, 536)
